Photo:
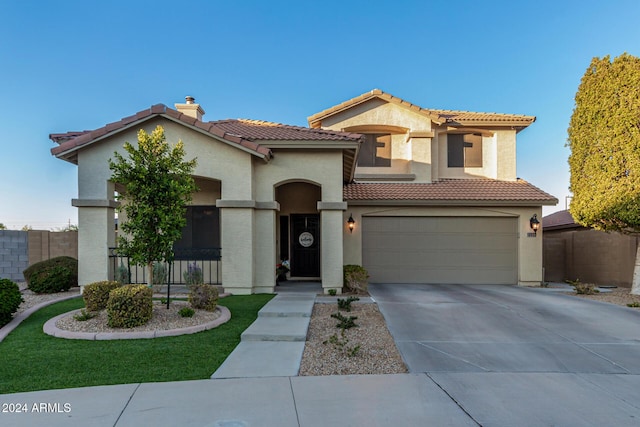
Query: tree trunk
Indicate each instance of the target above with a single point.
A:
(635, 284)
(150, 275)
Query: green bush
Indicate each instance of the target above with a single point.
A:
(52, 275)
(63, 261)
(186, 312)
(355, 278)
(96, 294)
(203, 297)
(10, 300)
(51, 280)
(129, 306)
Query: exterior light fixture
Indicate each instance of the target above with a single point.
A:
(534, 223)
(351, 223)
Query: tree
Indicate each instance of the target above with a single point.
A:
(157, 187)
(604, 138)
(2, 226)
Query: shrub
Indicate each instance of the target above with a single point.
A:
(129, 306)
(10, 300)
(344, 322)
(345, 304)
(96, 294)
(634, 304)
(585, 289)
(51, 280)
(62, 261)
(193, 275)
(123, 275)
(84, 315)
(203, 297)
(356, 278)
(186, 312)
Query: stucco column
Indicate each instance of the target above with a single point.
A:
(530, 248)
(331, 251)
(265, 247)
(237, 245)
(96, 234)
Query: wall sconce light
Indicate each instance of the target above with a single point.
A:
(351, 223)
(534, 223)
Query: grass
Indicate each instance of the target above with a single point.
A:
(32, 360)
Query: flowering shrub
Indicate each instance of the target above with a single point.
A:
(193, 275)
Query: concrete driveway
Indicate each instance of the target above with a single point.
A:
(518, 356)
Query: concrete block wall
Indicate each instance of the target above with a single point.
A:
(14, 254)
(20, 249)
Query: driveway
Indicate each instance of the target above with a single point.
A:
(518, 356)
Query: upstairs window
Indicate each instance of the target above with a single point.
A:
(375, 151)
(464, 150)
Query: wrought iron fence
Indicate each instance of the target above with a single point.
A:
(205, 261)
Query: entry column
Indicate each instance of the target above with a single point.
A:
(331, 229)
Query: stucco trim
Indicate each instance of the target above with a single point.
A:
(236, 204)
(386, 176)
(94, 203)
(275, 206)
(332, 206)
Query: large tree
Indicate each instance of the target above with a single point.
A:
(604, 138)
(157, 186)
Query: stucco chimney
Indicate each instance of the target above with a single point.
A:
(190, 108)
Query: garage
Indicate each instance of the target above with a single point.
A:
(452, 250)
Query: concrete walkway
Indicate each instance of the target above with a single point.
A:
(272, 346)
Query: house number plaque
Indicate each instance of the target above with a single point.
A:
(305, 239)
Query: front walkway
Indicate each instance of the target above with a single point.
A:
(273, 345)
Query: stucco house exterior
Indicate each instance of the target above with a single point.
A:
(433, 193)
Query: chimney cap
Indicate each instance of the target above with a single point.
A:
(189, 99)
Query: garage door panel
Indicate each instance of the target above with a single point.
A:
(474, 250)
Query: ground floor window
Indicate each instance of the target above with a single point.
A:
(202, 230)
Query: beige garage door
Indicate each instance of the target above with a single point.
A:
(464, 250)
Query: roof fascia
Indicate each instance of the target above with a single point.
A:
(445, 202)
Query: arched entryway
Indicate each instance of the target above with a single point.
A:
(298, 228)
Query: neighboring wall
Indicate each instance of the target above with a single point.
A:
(14, 254)
(589, 255)
(20, 249)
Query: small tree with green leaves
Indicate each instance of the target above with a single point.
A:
(157, 186)
(2, 226)
(604, 138)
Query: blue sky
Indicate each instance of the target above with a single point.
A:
(75, 65)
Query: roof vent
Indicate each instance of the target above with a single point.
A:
(190, 108)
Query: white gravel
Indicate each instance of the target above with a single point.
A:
(377, 353)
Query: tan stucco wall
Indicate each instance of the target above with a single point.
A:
(529, 248)
(591, 256)
(426, 158)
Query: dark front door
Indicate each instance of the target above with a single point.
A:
(305, 245)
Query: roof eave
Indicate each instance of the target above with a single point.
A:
(451, 202)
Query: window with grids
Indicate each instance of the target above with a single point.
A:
(375, 151)
(464, 151)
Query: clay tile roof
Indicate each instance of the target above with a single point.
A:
(439, 116)
(242, 132)
(261, 130)
(482, 191)
(559, 220)
(70, 142)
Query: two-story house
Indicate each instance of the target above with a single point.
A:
(414, 195)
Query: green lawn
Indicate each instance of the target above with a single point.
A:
(31, 360)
